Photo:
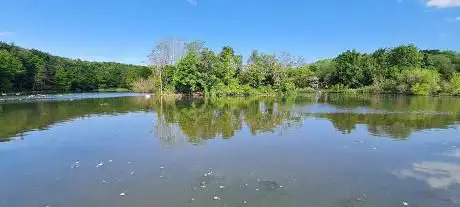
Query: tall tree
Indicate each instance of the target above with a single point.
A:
(9, 67)
(405, 56)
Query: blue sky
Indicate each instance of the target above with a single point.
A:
(126, 30)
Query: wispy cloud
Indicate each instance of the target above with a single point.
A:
(443, 3)
(5, 33)
(452, 19)
(193, 2)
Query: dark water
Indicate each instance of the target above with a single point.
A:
(329, 150)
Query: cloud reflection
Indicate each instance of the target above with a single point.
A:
(439, 175)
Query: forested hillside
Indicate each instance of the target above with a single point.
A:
(33, 70)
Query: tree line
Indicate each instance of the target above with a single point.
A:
(189, 67)
(180, 67)
(33, 70)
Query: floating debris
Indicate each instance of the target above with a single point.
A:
(216, 198)
(132, 173)
(374, 148)
(110, 160)
(122, 194)
(162, 167)
(161, 176)
(104, 181)
(75, 164)
(203, 184)
(100, 164)
(268, 184)
(221, 187)
(208, 173)
(404, 203)
(257, 189)
(356, 201)
(244, 202)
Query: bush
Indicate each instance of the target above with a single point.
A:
(288, 87)
(337, 88)
(144, 85)
(455, 84)
(306, 90)
(418, 81)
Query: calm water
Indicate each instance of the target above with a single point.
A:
(332, 150)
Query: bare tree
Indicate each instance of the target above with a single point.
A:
(166, 52)
(289, 60)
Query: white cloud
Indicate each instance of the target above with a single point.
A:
(5, 33)
(443, 3)
(193, 2)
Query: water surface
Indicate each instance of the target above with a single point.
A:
(325, 150)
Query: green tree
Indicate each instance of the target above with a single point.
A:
(405, 56)
(208, 66)
(419, 81)
(9, 67)
(325, 70)
(230, 65)
(187, 77)
(444, 65)
(302, 77)
(353, 69)
(455, 84)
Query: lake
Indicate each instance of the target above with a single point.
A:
(312, 150)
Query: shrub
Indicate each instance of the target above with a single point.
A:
(144, 85)
(418, 81)
(455, 84)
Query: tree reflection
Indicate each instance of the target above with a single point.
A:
(203, 119)
(396, 125)
(197, 120)
(19, 118)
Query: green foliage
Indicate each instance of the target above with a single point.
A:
(325, 70)
(179, 67)
(353, 69)
(187, 77)
(302, 77)
(419, 81)
(405, 56)
(455, 84)
(33, 70)
(9, 67)
(145, 85)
